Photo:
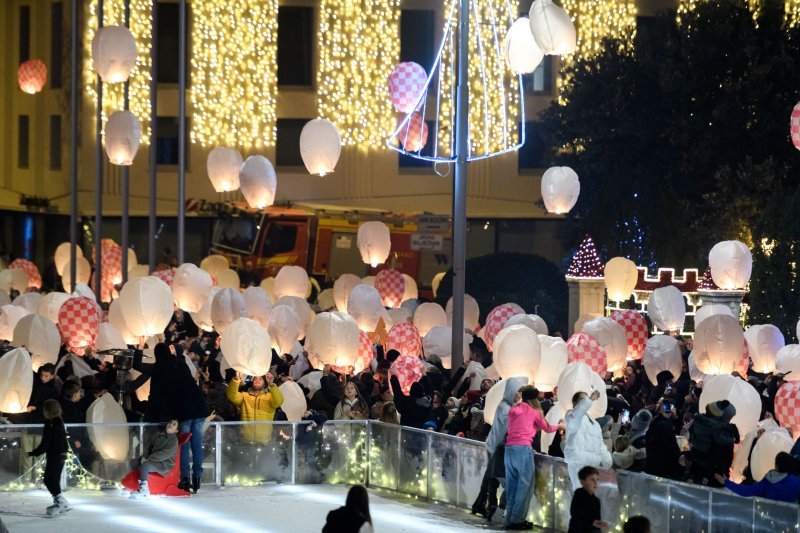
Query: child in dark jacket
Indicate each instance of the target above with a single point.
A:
(54, 446)
(584, 512)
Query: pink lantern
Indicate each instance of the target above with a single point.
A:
(414, 135)
(406, 84)
(635, 327)
(79, 322)
(167, 276)
(391, 286)
(34, 278)
(787, 406)
(404, 338)
(582, 348)
(408, 369)
(794, 126)
(32, 75)
(497, 319)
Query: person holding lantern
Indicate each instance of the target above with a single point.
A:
(257, 405)
(584, 445)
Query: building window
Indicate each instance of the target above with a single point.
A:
(533, 153)
(24, 33)
(295, 45)
(406, 161)
(287, 148)
(56, 43)
(417, 28)
(23, 141)
(540, 81)
(168, 45)
(55, 142)
(167, 141)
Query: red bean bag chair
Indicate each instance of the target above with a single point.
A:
(158, 484)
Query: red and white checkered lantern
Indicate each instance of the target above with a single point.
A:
(414, 135)
(497, 319)
(32, 76)
(78, 322)
(635, 327)
(406, 84)
(794, 126)
(363, 359)
(111, 268)
(34, 278)
(787, 406)
(582, 348)
(167, 276)
(408, 369)
(404, 338)
(391, 286)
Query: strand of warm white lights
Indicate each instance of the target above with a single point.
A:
(234, 76)
(114, 94)
(791, 10)
(359, 45)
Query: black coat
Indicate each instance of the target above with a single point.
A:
(583, 511)
(189, 402)
(40, 394)
(712, 441)
(343, 520)
(54, 439)
(662, 450)
(414, 412)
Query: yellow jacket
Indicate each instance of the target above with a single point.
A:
(255, 407)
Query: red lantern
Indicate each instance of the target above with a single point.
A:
(32, 75)
(111, 253)
(408, 369)
(34, 278)
(582, 348)
(497, 319)
(406, 84)
(404, 338)
(78, 322)
(391, 285)
(794, 126)
(635, 327)
(414, 134)
(787, 406)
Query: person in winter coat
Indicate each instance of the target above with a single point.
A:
(584, 510)
(779, 484)
(329, 395)
(384, 396)
(74, 409)
(353, 406)
(159, 457)
(415, 409)
(161, 404)
(191, 410)
(712, 437)
(44, 388)
(309, 445)
(354, 517)
(637, 437)
(54, 446)
(663, 453)
(624, 454)
(584, 445)
(256, 405)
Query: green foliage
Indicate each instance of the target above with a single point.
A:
(531, 281)
(686, 132)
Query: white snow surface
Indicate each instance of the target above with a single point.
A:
(268, 508)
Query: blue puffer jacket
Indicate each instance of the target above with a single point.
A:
(497, 436)
(775, 486)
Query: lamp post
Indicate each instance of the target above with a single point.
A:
(73, 157)
(98, 184)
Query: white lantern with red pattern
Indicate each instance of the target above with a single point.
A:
(794, 126)
(635, 327)
(32, 76)
(391, 286)
(408, 369)
(583, 348)
(78, 322)
(413, 135)
(34, 278)
(496, 320)
(404, 338)
(406, 86)
(787, 406)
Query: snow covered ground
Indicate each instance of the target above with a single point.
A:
(270, 508)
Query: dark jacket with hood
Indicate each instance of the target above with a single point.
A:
(712, 438)
(161, 405)
(344, 520)
(417, 408)
(663, 452)
(328, 396)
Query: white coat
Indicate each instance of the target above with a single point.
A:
(584, 442)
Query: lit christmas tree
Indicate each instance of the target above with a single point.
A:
(586, 263)
(707, 283)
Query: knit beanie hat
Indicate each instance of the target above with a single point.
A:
(721, 409)
(640, 424)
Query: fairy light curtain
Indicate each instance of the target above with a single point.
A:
(791, 10)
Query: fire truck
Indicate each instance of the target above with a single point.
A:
(324, 241)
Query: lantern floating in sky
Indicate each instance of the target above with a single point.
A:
(553, 361)
(764, 341)
(246, 345)
(620, 275)
(391, 286)
(320, 146)
(113, 53)
(662, 353)
(731, 264)
(612, 338)
(291, 280)
(718, 345)
(258, 182)
(147, 305)
(374, 242)
(223, 165)
(472, 312)
(667, 308)
(517, 352)
(110, 440)
(522, 53)
(341, 290)
(41, 338)
(78, 322)
(190, 287)
(552, 28)
(740, 393)
(122, 136)
(16, 381)
(794, 126)
(406, 85)
(560, 189)
(32, 76)
(413, 134)
(333, 339)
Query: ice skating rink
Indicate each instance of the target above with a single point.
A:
(270, 508)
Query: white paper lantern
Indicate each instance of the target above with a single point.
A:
(552, 28)
(427, 316)
(472, 313)
(620, 275)
(83, 272)
(13, 279)
(214, 264)
(410, 290)
(436, 281)
(768, 446)
(302, 309)
(29, 301)
(553, 361)
(223, 165)
(401, 315)
(731, 264)
(718, 345)
(694, 372)
(228, 279)
(51, 303)
(535, 322)
(787, 361)
(711, 309)
(284, 328)
(311, 381)
(63, 254)
(492, 400)
(365, 306)
(40, 337)
(258, 305)
(374, 242)
(247, 347)
(333, 339)
(294, 401)
(258, 182)
(368, 280)
(522, 53)
(764, 341)
(268, 284)
(662, 353)
(111, 441)
(109, 338)
(113, 53)
(517, 352)
(147, 305)
(341, 290)
(138, 271)
(228, 305)
(16, 381)
(560, 189)
(9, 316)
(439, 342)
(667, 308)
(612, 338)
(740, 393)
(116, 319)
(291, 281)
(578, 377)
(191, 287)
(122, 136)
(320, 146)
(202, 318)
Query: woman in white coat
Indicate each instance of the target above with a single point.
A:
(584, 446)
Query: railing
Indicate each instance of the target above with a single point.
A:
(421, 464)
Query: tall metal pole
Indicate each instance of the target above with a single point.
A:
(126, 175)
(73, 156)
(460, 185)
(98, 185)
(181, 130)
(151, 222)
